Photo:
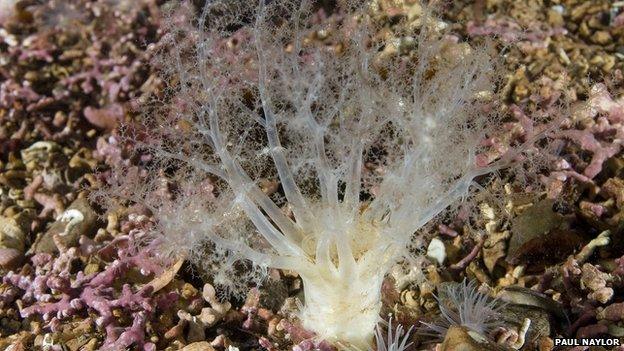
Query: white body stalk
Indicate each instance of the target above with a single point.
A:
(343, 309)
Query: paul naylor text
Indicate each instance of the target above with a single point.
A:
(587, 342)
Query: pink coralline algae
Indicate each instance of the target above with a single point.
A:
(104, 118)
(595, 127)
(50, 290)
(511, 31)
(104, 65)
(304, 339)
(603, 131)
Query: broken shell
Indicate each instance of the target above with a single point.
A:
(72, 217)
(43, 153)
(16, 194)
(436, 251)
(526, 297)
(546, 249)
(10, 258)
(198, 346)
(38, 150)
(531, 224)
(79, 219)
(12, 234)
(459, 338)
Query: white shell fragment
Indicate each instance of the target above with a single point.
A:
(436, 250)
(73, 217)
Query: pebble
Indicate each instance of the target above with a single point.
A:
(601, 37)
(198, 346)
(70, 230)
